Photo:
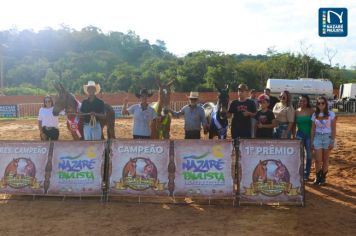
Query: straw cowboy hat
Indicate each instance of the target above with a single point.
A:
(91, 84)
(193, 95)
(143, 92)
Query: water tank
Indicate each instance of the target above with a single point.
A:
(301, 86)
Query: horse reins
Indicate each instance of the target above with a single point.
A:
(92, 121)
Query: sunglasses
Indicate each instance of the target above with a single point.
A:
(320, 103)
(282, 97)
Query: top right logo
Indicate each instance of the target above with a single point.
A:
(332, 22)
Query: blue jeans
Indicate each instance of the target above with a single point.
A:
(322, 141)
(281, 131)
(306, 140)
(92, 133)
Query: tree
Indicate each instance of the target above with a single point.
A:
(330, 54)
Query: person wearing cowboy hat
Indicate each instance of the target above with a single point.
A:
(92, 110)
(142, 113)
(194, 117)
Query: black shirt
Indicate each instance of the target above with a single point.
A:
(96, 106)
(272, 101)
(264, 118)
(240, 124)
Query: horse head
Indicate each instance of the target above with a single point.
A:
(260, 172)
(64, 101)
(223, 101)
(164, 94)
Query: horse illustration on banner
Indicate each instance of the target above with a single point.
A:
(271, 178)
(139, 174)
(20, 173)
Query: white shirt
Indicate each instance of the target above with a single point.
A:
(323, 125)
(48, 119)
(142, 119)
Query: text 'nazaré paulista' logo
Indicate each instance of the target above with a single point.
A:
(332, 22)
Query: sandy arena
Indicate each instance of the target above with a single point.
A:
(329, 210)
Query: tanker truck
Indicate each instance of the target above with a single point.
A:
(312, 87)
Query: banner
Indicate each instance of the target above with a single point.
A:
(270, 171)
(22, 167)
(77, 168)
(204, 168)
(8, 111)
(139, 167)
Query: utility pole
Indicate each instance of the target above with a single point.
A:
(1, 71)
(2, 46)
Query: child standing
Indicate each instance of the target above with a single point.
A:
(265, 120)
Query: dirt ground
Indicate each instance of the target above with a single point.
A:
(329, 210)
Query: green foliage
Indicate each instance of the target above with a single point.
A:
(24, 89)
(125, 62)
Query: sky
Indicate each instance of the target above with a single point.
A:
(229, 26)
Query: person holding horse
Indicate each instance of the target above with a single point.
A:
(47, 122)
(194, 117)
(242, 110)
(92, 110)
(143, 115)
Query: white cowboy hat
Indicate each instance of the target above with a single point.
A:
(91, 84)
(194, 95)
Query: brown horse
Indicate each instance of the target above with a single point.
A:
(160, 128)
(67, 102)
(130, 169)
(260, 173)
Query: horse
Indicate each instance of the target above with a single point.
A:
(67, 102)
(160, 128)
(260, 173)
(281, 173)
(216, 115)
(130, 169)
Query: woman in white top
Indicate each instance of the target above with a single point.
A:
(284, 113)
(47, 123)
(323, 138)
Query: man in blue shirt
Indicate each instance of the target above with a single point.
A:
(194, 117)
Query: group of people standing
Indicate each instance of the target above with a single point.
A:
(91, 109)
(264, 116)
(316, 127)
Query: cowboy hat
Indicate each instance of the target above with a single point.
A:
(91, 84)
(193, 95)
(143, 92)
